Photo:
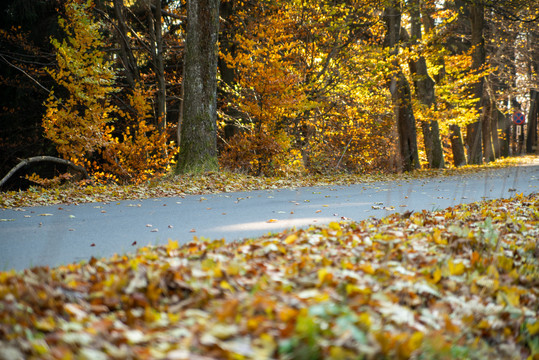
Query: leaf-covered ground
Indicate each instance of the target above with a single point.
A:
(462, 283)
(218, 182)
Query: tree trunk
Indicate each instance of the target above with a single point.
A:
(487, 132)
(402, 99)
(234, 118)
(505, 141)
(494, 118)
(401, 96)
(473, 135)
(457, 145)
(473, 143)
(198, 135)
(156, 37)
(531, 140)
(424, 87)
(126, 52)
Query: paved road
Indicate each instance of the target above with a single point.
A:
(63, 234)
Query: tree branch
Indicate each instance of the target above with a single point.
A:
(37, 159)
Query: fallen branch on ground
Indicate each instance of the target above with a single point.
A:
(37, 159)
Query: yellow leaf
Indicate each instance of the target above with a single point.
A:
(533, 328)
(456, 268)
(510, 296)
(334, 226)
(272, 221)
(492, 271)
(172, 245)
(484, 324)
(40, 346)
(436, 275)
(366, 268)
(46, 324)
(291, 239)
(225, 285)
(437, 237)
(264, 347)
(324, 275)
(365, 319)
(414, 342)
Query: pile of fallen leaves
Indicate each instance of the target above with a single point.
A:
(462, 283)
(180, 185)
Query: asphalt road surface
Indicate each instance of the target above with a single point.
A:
(56, 235)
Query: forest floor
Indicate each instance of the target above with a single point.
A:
(459, 283)
(218, 182)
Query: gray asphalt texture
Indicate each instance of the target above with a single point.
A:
(56, 235)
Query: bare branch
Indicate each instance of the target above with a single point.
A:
(37, 159)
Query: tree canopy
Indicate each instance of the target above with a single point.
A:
(302, 86)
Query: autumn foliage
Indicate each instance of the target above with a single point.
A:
(308, 86)
(455, 284)
(80, 116)
(305, 87)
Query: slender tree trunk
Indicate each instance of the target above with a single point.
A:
(401, 95)
(505, 141)
(457, 145)
(487, 132)
(494, 118)
(126, 52)
(198, 149)
(228, 74)
(424, 86)
(156, 36)
(531, 140)
(473, 134)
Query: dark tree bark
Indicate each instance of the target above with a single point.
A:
(494, 119)
(198, 123)
(505, 125)
(487, 131)
(401, 96)
(424, 87)
(227, 73)
(531, 140)
(132, 74)
(457, 145)
(474, 133)
(156, 39)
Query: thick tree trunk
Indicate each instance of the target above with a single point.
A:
(424, 87)
(531, 140)
(198, 137)
(402, 99)
(401, 95)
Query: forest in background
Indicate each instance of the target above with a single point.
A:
(303, 86)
